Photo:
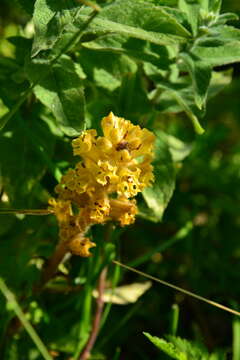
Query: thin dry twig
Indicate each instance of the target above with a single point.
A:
(189, 293)
(26, 212)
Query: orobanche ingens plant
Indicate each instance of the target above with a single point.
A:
(113, 169)
(64, 65)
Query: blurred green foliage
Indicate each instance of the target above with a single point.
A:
(173, 70)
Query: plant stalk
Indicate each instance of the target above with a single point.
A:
(97, 318)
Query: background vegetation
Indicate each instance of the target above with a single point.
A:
(152, 66)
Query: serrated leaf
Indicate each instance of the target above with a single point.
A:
(190, 349)
(63, 93)
(167, 347)
(159, 194)
(200, 73)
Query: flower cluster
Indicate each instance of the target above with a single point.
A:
(113, 168)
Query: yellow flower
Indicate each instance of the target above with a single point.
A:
(80, 246)
(112, 169)
(123, 210)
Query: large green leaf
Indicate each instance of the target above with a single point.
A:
(158, 195)
(135, 48)
(222, 34)
(50, 18)
(26, 148)
(133, 102)
(136, 19)
(105, 70)
(62, 92)
(219, 55)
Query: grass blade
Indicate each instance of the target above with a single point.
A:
(28, 327)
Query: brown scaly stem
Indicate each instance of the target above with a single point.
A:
(97, 318)
(52, 264)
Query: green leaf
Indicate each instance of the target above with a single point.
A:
(137, 19)
(137, 49)
(218, 82)
(224, 18)
(215, 6)
(190, 349)
(181, 349)
(200, 73)
(167, 347)
(105, 70)
(178, 149)
(219, 55)
(191, 9)
(158, 195)
(25, 147)
(177, 94)
(62, 92)
(133, 102)
(224, 33)
(163, 2)
(50, 18)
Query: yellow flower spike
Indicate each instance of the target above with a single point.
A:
(113, 169)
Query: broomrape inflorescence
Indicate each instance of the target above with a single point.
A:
(113, 169)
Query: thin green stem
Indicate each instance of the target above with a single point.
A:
(28, 327)
(236, 339)
(175, 319)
